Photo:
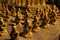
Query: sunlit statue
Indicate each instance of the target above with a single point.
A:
(14, 32)
(27, 32)
(33, 3)
(3, 27)
(24, 2)
(4, 32)
(20, 15)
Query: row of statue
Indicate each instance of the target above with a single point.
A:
(25, 17)
(23, 2)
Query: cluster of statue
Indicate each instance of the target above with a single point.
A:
(26, 18)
